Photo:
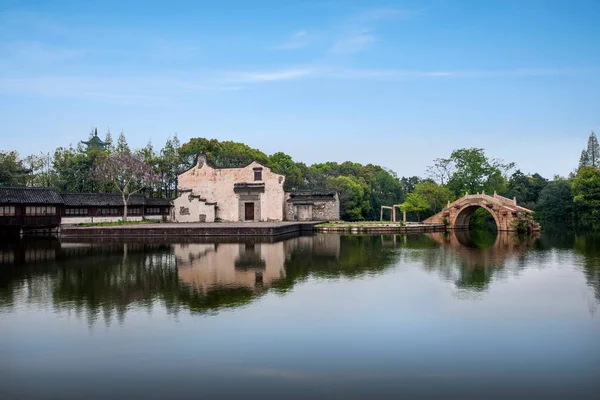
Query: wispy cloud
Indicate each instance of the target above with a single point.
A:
(353, 43)
(37, 52)
(377, 14)
(331, 73)
(148, 91)
(286, 74)
(161, 90)
(358, 32)
(298, 40)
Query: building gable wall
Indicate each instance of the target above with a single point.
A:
(217, 185)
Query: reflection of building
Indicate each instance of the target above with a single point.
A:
(249, 265)
(250, 193)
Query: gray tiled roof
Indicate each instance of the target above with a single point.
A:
(28, 195)
(35, 195)
(157, 202)
(100, 199)
(311, 195)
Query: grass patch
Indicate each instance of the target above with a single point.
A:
(356, 224)
(117, 223)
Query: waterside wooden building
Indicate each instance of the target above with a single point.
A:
(45, 208)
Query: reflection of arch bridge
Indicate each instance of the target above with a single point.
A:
(458, 214)
(504, 246)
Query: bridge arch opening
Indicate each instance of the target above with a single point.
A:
(466, 216)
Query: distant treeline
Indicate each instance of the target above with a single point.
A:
(363, 189)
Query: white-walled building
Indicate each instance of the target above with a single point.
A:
(250, 193)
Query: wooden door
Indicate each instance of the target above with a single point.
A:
(304, 213)
(249, 211)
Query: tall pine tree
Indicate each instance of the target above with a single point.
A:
(593, 150)
(122, 147)
(590, 157)
(584, 160)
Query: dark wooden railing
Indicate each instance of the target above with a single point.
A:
(45, 221)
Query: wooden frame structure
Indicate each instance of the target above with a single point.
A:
(393, 210)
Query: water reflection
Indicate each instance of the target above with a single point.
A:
(105, 280)
(109, 278)
(326, 316)
(481, 255)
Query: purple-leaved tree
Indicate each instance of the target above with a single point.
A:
(129, 174)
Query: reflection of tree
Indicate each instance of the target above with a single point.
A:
(335, 256)
(105, 280)
(472, 259)
(589, 247)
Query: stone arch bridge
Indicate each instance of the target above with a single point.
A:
(457, 215)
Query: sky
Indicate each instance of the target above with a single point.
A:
(393, 83)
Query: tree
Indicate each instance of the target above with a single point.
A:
(122, 147)
(41, 170)
(221, 154)
(586, 193)
(283, 164)
(593, 150)
(352, 197)
(436, 196)
(537, 184)
(72, 168)
(474, 172)
(555, 202)
(584, 160)
(415, 203)
(108, 143)
(408, 184)
(169, 165)
(441, 171)
(12, 170)
(128, 174)
(590, 156)
(386, 190)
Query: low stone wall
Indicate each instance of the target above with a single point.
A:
(175, 229)
(95, 220)
(379, 229)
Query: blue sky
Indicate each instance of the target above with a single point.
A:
(395, 83)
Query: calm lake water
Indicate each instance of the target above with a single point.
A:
(433, 316)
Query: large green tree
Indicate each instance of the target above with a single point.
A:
(221, 154)
(472, 171)
(284, 164)
(352, 197)
(526, 188)
(436, 196)
(590, 156)
(586, 193)
(42, 174)
(555, 202)
(415, 203)
(169, 165)
(12, 170)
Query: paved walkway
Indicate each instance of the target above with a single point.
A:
(202, 225)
